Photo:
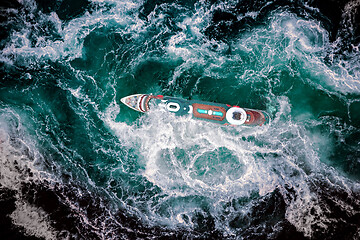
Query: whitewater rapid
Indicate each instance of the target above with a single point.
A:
(64, 132)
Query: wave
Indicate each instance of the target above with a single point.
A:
(71, 153)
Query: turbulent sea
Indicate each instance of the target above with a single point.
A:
(75, 163)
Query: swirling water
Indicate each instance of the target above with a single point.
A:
(75, 163)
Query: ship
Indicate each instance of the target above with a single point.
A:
(219, 113)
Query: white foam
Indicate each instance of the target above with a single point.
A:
(309, 43)
(178, 151)
(34, 220)
(21, 164)
(21, 51)
(174, 148)
(179, 155)
(13, 160)
(162, 136)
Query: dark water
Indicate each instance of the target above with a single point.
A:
(77, 164)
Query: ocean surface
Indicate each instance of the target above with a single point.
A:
(75, 163)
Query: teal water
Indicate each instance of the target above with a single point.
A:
(62, 123)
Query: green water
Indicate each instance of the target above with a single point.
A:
(62, 86)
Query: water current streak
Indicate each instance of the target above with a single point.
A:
(76, 164)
